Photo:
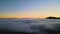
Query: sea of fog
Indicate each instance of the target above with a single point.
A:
(29, 25)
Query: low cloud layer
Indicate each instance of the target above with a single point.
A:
(29, 25)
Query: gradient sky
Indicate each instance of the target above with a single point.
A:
(29, 8)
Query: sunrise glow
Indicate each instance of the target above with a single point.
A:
(29, 8)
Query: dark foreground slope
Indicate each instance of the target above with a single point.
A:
(47, 32)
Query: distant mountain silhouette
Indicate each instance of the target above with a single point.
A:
(52, 17)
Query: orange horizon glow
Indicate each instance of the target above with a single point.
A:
(22, 16)
(25, 16)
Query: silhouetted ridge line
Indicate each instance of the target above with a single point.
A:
(52, 17)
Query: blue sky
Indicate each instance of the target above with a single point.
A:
(29, 8)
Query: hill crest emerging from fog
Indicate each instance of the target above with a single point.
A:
(52, 17)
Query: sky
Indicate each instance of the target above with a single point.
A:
(29, 8)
